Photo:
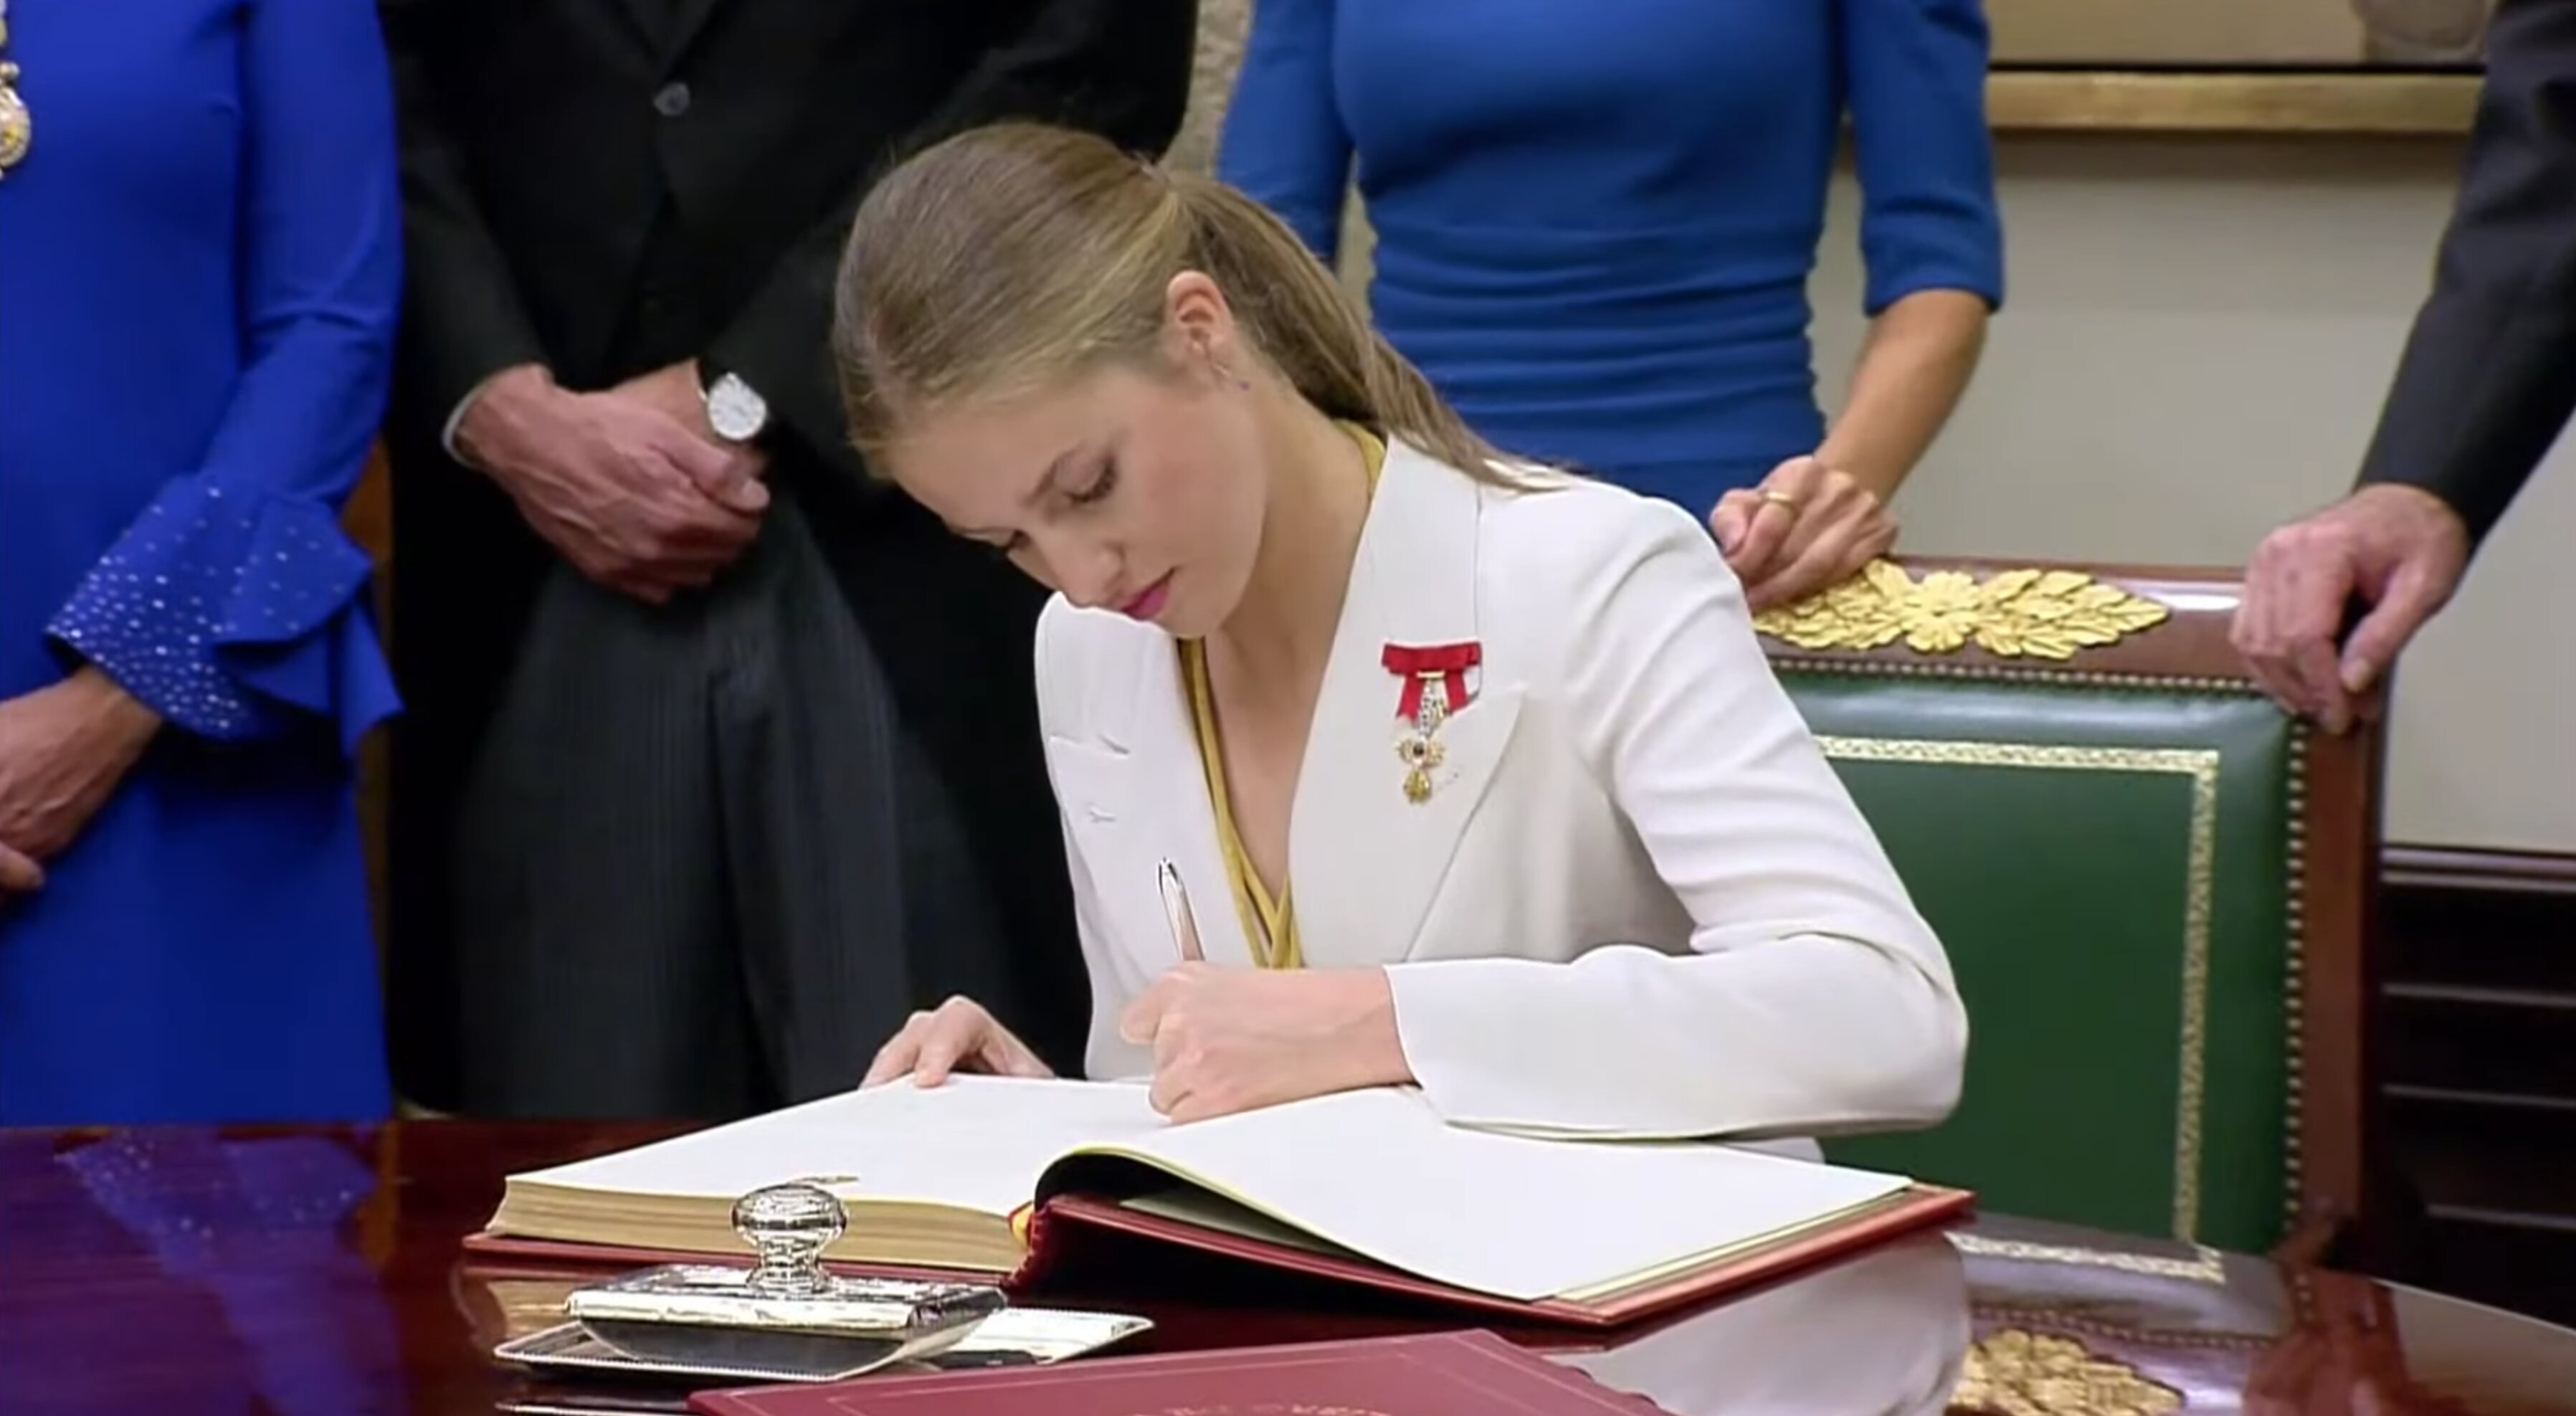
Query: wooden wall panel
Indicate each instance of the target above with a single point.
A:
(2478, 1084)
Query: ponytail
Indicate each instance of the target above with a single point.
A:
(1303, 320)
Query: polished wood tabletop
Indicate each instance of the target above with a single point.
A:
(317, 1272)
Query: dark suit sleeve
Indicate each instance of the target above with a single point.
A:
(1120, 68)
(462, 318)
(2489, 373)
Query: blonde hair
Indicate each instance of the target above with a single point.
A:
(1012, 257)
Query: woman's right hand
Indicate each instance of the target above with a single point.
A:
(64, 749)
(957, 1036)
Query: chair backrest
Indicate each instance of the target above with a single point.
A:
(2154, 886)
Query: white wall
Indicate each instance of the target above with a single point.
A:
(2196, 339)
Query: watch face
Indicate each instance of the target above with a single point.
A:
(734, 411)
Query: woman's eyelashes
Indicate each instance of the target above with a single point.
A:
(1090, 494)
(1100, 487)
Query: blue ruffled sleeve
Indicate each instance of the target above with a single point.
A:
(235, 605)
(1283, 142)
(1915, 81)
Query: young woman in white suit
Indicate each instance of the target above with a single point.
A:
(1472, 773)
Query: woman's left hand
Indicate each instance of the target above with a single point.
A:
(1804, 528)
(1228, 1040)
(63, 750)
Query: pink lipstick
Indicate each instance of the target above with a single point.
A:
(1150, 601)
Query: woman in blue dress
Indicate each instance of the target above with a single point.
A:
(1594, 225)
(199, 271)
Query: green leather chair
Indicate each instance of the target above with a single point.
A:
(2151, 882)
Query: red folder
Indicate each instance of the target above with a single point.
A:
(1084, 1247)
(1444, 1374)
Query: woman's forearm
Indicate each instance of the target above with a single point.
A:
(1913, 366)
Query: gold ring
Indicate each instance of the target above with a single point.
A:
(1779, 498)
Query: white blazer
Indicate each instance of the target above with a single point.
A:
(1638, 901)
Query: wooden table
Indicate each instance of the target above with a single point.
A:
(296, 1271)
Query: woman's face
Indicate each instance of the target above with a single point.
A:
(1139, 490)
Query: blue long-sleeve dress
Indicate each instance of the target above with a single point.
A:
(1594, 222)
(199, 274)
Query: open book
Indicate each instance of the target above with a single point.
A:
(1370, 1186)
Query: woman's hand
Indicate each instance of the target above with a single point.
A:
(63, 750)
(1228, 1040)
(1805, 528)
(957, 1036)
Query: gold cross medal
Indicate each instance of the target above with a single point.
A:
(1421, 752)
(1435, 686)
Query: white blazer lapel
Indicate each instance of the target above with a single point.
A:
(1365, 861)
(1135, 795)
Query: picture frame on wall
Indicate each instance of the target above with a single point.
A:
(2314, 66)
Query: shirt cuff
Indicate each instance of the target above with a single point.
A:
(456, 419)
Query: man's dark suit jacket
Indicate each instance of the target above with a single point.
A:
(610, 186)
(2489, 374)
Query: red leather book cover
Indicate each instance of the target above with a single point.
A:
(1090, 1247)
(1444, 1374)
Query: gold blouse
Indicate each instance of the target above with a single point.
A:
(1269, 923)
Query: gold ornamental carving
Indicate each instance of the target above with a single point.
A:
(2020, 1373)
(2035, 614)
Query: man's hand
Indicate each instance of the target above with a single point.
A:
(626, 492)
(677, 392)
(63, 750)
(1804, 529)
(1228, 1040)
(2399, 550)
(2345, 1358)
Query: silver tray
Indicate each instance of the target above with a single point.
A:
(1013, 1337)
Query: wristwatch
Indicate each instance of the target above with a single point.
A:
(735, 410)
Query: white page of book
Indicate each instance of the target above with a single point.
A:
(1376, 1172)
(1380, 1173)
(975, 1142)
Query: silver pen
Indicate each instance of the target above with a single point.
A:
(1176, 911)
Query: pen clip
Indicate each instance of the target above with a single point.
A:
(1176, 912)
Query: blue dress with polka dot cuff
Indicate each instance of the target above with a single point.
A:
(200, 270)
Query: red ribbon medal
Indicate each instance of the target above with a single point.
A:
(1421, 711)
(1421, 664)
